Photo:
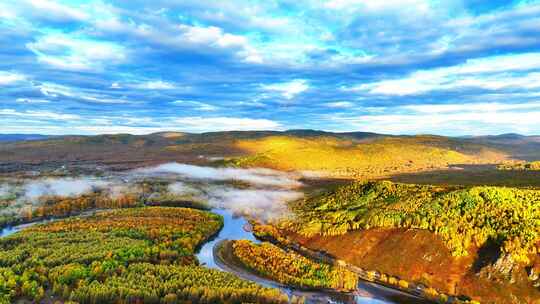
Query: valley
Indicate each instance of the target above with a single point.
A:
(269, 152)
(346, 218)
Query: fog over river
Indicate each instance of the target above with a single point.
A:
(230, 192)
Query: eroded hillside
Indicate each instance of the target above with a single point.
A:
(473, 241)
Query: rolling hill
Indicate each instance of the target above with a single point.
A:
(21, 137)
(351, 154)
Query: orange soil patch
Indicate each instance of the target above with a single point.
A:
(420, 256)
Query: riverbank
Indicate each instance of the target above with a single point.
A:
(234, 228)
(225, 258)
(43, 219)
(413, 289)
(22, 224)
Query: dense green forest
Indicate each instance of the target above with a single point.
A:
(121, 256)
(462, 217)
(291, 268)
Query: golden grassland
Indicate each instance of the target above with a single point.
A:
(377, 157)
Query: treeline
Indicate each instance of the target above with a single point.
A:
(461, 216)
(58, 206)
(169, 227)
(107, 283)
(148, 283)
(520, 166)
(61, 206)
(140, 255)
(291, 268)
(15, 208)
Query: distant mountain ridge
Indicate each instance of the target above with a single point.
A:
(22, 137)
(345, 154)
(295, 132)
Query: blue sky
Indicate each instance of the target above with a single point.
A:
(403, 67)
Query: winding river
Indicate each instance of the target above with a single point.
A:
(234, 229)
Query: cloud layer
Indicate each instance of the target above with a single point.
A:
(111, 66)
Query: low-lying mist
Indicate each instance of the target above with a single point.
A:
(258, 192)
(65, 187)
(256, 176)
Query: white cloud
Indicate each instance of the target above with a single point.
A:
(96, 129)
(201, 124)
(201, 106)
(185, 37)
(339, 104)
(422, 5)
(67, 53)
(472, 107)
(491, 73)
(460, 123)
(55, 11)
(451, 119)
(288, 89)
(215, 37)
(7, 78)
(6, 12)
(102, 99)
(46, 115)
(43, 122)
(32, 100)
(211, 35)
(55, 91)
(155, 85)
(503, 63)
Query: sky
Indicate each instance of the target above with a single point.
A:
(448, 67)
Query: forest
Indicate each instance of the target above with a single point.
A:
(520, 166)
(121, 256)
(48, 206)
(16, 208)
(461, 216)
(291, 268)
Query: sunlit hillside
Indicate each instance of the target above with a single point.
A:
(350, 155)
(368, 158)
(454, 238)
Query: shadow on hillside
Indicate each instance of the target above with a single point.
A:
(472, 175)
(487, 255)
